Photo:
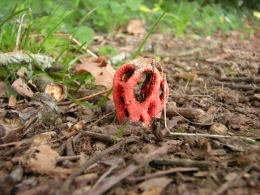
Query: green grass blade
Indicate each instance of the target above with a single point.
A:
(119, 132)
(102, 101)
(148, 35)
(91, 105)
(82, 103)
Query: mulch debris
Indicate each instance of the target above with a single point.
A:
(213, 109)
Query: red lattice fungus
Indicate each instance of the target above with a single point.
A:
(139, 92)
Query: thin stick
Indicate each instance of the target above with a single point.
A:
(19, 33)
(114, 179)
(237, 87)
(83, 98)
(100, 136)
(233, 181)
(162, 173)
(97, 156)
(106, 115)
(105, 175)
(240, 79)
(211, 136)
(165, 101)
(62, 158)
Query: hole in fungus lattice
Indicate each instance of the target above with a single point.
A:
(126, 75)
(143, 87)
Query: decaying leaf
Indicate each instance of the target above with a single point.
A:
(42, 159)
(155, 185)
(102, 71)
(12, 101)
(43, 138)
(22, 88)
(136, 26)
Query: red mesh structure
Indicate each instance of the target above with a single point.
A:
(139, 104)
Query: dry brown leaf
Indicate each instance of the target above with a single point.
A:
(12, 101)
(42, 159)
(103, 73)
(43, 138)
(136, 26)
(22, 88)
(159, 183)
(152, 191)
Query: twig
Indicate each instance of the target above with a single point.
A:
(97, 156)
(83, 98)
(234, 86)
(161, 173)
(18, 143)
(211, 136)
(106, 115)
(165, 101)
(101, 137)
(241, 79)
(23, 58)
(112, 180)
(105, 175)
(183, 162)
(62, 158)
(233, 181)
(19, 33)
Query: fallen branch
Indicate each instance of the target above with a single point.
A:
(161, 173)
(101, 137)
(83, 98)
(237, 87)
(233, 181)
(183, 162)
(241, 79)
(114, 179)
(63, 158)
(97, 156)
(23, 58)
(211, 136)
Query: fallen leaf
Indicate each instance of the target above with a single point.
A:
(43, 138)
(22, 88)
(42, 159)
(103, 73)
(136, 26)
(152, 191)
(12, 101)
(159, 183)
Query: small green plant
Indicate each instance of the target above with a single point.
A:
(254, 131)
(107, 50)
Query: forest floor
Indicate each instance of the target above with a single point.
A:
(214, 87)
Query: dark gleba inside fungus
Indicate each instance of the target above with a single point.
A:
(139, 91)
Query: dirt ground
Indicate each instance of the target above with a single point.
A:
(214, 87)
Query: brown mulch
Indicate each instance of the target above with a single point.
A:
(73, 149)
